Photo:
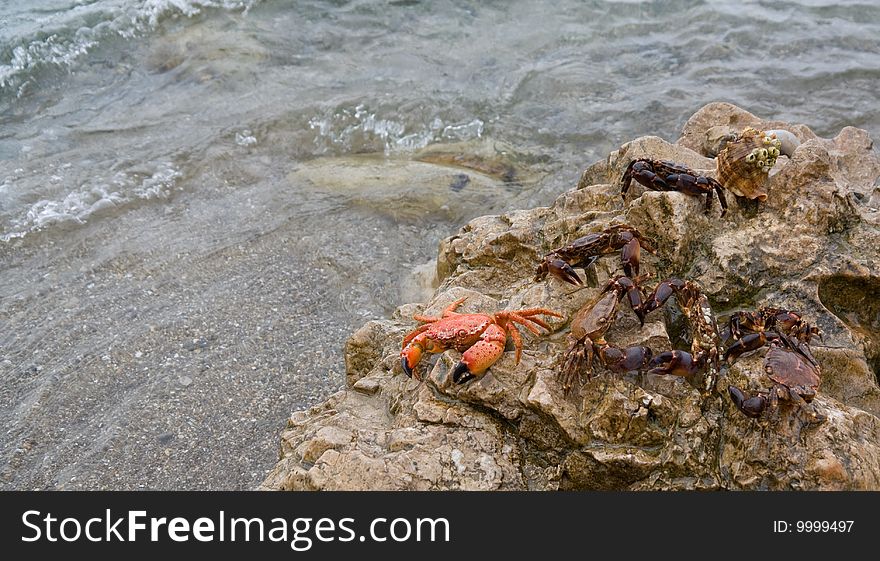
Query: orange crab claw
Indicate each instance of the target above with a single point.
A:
(481, 355)
(412, 352)
(410, 356)
(405, 363)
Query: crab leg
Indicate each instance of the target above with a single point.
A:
(526, 318)
(447, 311)
(804, 406)
(578, 358)
(627, 179)
(721, 199)
(517, 341)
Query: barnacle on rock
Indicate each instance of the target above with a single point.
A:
(788, 142)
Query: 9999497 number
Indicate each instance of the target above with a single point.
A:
(817, 526)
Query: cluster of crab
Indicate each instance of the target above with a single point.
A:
(794, 372)
(789, 364)
(482, 338)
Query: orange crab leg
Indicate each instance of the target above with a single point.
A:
(481, 355)
(523, 317)
(517, 341)
(447, 311)
(415, 333)
(528, 312)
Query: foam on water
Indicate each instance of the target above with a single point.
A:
(86, 201)
(358, 129)
(261, 84)
(60, 35)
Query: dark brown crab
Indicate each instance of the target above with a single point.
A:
(587, 337)
(752, 330)
(795, 375)
(661, 175)
(583, 251)
(700, 367)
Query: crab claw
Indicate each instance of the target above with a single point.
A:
(661, 293)
(676, 363)
(563, 271)
(406, 368)
(626, 360)
(411, 354)
(461, 373)
(750, 406)
(481, 355)
(629, 258)
(748, 343)
(682, 363)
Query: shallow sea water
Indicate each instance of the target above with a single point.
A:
(190, 224)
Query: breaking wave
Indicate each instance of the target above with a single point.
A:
(41, 40)
(121, 191)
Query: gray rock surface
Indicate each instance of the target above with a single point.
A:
(812, 247)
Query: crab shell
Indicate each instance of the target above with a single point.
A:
(744, 163)
(791, 369)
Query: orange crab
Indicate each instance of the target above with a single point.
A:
(480, 337)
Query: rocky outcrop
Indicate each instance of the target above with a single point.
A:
(811, 247)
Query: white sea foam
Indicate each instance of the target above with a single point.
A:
(245, 138)
(35, 41)
(361, 130)
(90, 200)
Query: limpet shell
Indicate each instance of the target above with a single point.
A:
(744, 163)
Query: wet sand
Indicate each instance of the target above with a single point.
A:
(163, 368)
(165, 347)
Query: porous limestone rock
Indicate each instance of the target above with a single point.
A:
(813, 247)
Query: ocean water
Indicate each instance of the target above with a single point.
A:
(172, 283)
